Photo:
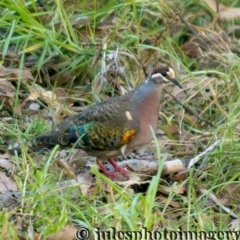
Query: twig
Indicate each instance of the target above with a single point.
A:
(216, 200)
(207, 151)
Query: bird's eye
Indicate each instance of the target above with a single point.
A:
(164, 74)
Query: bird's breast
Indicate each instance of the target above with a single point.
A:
(146, 112)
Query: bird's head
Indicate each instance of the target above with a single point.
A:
(164, 74)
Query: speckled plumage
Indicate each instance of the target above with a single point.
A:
(101, 128)
(114, 126)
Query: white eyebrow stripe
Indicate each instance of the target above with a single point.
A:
(159, 75)
(156, 75)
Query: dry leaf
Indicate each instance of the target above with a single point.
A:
(47, 96)
(6, 183)
(181, 176)
(4, 163)
(13, 74)
(85, 181)
(67, 169)
(234, 225)
(165, 201)
(68, 233)
(224, 11)
(19, 108)
(232, 190)
(78, 159)
(6, 92)
(6, 88)
(191, 49)
(63, 77)
(179, 189)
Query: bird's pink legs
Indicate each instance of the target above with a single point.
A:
(119, 174)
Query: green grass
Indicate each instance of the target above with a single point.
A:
(68, 45)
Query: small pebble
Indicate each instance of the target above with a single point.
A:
(34, 106)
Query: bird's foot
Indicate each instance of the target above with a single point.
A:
(119, 174)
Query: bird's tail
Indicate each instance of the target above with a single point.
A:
(48, 141)
(42, 143)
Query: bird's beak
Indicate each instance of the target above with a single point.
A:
(174, 81)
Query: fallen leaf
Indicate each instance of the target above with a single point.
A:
(47, 96)
(165, 201)
(234, 225)
(232, 190)
(19, 108)
(63, 77)
(191, 49)
(68, 233)
(224, 11)
(85, 182)
(14, 74)
(6, 92)
(181, 176)
(4, 163)
(179, 189)
(6, 87)
(6, 183)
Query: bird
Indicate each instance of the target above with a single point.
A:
(112, 127)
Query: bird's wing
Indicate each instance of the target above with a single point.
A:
(104, 126)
